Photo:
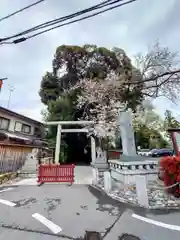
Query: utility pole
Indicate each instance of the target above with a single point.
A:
(11, 89)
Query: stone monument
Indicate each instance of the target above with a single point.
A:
(130, 163)
(127, 138)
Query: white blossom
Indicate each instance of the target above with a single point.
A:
(101, 102)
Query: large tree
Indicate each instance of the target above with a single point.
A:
(74, 64)
(94, 82)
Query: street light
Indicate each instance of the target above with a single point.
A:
(11, 89)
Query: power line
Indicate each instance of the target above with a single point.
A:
(61, 19)
(80, 19)
(20, 10)
(64, 24)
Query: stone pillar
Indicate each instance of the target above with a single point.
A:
(107, 181)
(127, 134)
(141, 190)
(93, 151)
(58, 144)
(95, 175)
(127, 138)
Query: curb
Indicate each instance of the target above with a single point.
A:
(119, 199)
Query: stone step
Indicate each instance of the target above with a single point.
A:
(28, 169)
(27, 175)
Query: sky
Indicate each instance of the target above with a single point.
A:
(133, 27)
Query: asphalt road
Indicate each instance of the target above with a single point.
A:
(75, 209)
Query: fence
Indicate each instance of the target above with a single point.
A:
(55, 173)
(12, 157)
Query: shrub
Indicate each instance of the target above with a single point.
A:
(171, 168)
(6, 177)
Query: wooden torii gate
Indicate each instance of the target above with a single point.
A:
(81, 130)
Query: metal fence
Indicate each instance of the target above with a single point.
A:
(11, 158)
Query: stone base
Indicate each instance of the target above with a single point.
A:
(29, 174)
(136, 158)
(126, 172)
(101, 166)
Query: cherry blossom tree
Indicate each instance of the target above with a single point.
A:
(101, 103)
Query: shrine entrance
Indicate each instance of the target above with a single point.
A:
(76, 148)
(79, 152)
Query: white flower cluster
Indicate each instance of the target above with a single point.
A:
(100, 100)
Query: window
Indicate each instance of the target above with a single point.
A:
(4, 123)
(26, 128)
(18, 127)
(37, 132)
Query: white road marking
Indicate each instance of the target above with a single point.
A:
(5, 190)
(53, 227)
(159, 224)
(6, 202)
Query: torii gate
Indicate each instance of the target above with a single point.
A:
(60, 130)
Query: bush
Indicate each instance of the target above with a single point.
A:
(171, 169)
(6, 177)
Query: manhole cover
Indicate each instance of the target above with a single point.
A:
(92, 235)
(128, 237)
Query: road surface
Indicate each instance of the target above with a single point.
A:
(55, 211)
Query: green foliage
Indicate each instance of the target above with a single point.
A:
(87, 61)
(149, 138)
(63, 153)
(61, 109)
(90, 61)
(50, 89)
(170, 121)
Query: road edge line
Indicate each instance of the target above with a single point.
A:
(5, 190)
(157, 223)
(49, 224)
(8, 203)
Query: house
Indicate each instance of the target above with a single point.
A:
(19, 129)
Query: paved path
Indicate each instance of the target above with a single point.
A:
(83, 175)
(31, 212)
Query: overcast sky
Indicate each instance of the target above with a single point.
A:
(133, 27)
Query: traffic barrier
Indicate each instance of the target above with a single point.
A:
(55, 173)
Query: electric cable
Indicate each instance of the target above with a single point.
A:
(80, 19)
(61, 19)
(64, 24)
(20, 10)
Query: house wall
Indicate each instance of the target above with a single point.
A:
(13, 121)
(13, 156)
